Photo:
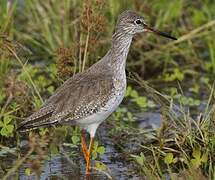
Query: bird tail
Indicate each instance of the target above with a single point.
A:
(41, 118)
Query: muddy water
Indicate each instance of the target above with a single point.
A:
(60, 166)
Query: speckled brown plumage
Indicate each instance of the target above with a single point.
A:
(80, 96)
(88, 98)
(94, 91)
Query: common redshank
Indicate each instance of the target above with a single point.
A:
(88, 98)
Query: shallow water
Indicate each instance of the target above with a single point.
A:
(63, 166)
(60, 167)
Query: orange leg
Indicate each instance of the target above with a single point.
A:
(83, 145)
(89, 156)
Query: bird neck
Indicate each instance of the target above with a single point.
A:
(115, 59)
(119, 49)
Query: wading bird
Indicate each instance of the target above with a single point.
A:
(88, 98)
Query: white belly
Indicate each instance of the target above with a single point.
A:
(91, 122)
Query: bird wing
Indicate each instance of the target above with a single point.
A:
(78, 97)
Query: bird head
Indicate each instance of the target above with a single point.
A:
(131, 23)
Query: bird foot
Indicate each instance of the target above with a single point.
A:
(84, 150)
(87, 151)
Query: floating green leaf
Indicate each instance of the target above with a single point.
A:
(168, 158)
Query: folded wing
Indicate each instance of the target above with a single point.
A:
(78, 97)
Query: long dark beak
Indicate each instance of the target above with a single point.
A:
(159, 32)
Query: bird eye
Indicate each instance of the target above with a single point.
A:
(138, 21)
